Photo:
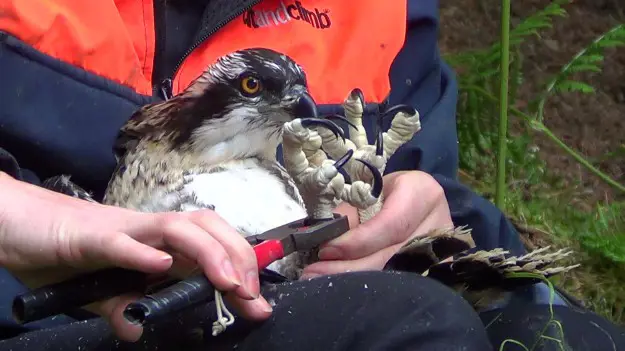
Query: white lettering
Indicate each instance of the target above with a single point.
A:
(282, 10)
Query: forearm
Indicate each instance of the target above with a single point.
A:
(8, 187)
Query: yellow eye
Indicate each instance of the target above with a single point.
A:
(250, 85)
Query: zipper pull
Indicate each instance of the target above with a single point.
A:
(166, 89)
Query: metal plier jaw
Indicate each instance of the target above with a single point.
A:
(300, 235)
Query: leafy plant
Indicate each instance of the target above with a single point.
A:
(605, 235)
(586, 61)
(524, 189)
(480, 75)
(479, 81)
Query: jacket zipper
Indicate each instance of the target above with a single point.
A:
(166, 88)
(159, 33)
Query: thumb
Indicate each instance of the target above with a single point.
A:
(112, 310)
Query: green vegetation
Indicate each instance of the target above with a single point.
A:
(535, 200)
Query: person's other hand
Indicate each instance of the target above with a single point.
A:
(47, 237)
(414, 204)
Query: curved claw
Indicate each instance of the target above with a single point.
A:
(379, 143)
(338, 131)
(407, 109)
(358, 94)
(376, 190)
(343, 160)
(341, 118)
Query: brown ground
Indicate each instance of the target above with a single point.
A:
(592, 124)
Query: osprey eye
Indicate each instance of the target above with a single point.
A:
(250, 85)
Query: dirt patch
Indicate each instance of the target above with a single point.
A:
(592, 124)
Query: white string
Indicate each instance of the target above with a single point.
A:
(220, 325)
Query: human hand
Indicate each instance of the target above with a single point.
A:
(47, 237)
(414, 204)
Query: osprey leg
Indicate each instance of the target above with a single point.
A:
(319, 182)
(405, 124)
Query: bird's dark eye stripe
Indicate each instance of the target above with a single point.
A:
(274, 85)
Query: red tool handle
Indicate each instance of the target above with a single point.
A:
(267, 252)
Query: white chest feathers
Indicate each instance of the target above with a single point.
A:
(250, 198)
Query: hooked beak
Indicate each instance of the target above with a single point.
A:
(306, 107)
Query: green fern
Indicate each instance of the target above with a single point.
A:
(570, 86)
(477, 114)
(535, 196)
(478, 86)
(608, 238)
(587, 60)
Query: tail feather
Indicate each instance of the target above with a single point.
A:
(482, 276)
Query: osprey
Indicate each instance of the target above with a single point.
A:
(214, 147)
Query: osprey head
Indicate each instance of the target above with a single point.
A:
(235, 108)
(260, 83)
(251, 91)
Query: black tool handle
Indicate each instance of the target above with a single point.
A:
(184, 294)
(58, 298)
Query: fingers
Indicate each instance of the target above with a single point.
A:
(378, 259)
(246, 297)
(368, 263)
(201, 247)
(389, 227)
(375, 261)
(112, 310)
(203, 238)
(182, 267)
(345, 209)
(410, 200)
(257, 310)
(239, 250)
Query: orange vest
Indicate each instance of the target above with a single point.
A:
(340, 44)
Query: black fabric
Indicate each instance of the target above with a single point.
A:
(187, 23)
(355, 311)
(581, 330)
(57, 119)
(182, 21)
(8, 164)
(218, 13)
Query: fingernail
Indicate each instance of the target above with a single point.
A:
(252, 285)
(329, 253)
(166, 258)
(263, 304)
(228, 270)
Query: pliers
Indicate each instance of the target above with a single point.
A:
(163, 297)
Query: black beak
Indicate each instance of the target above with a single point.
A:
(306, 107)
